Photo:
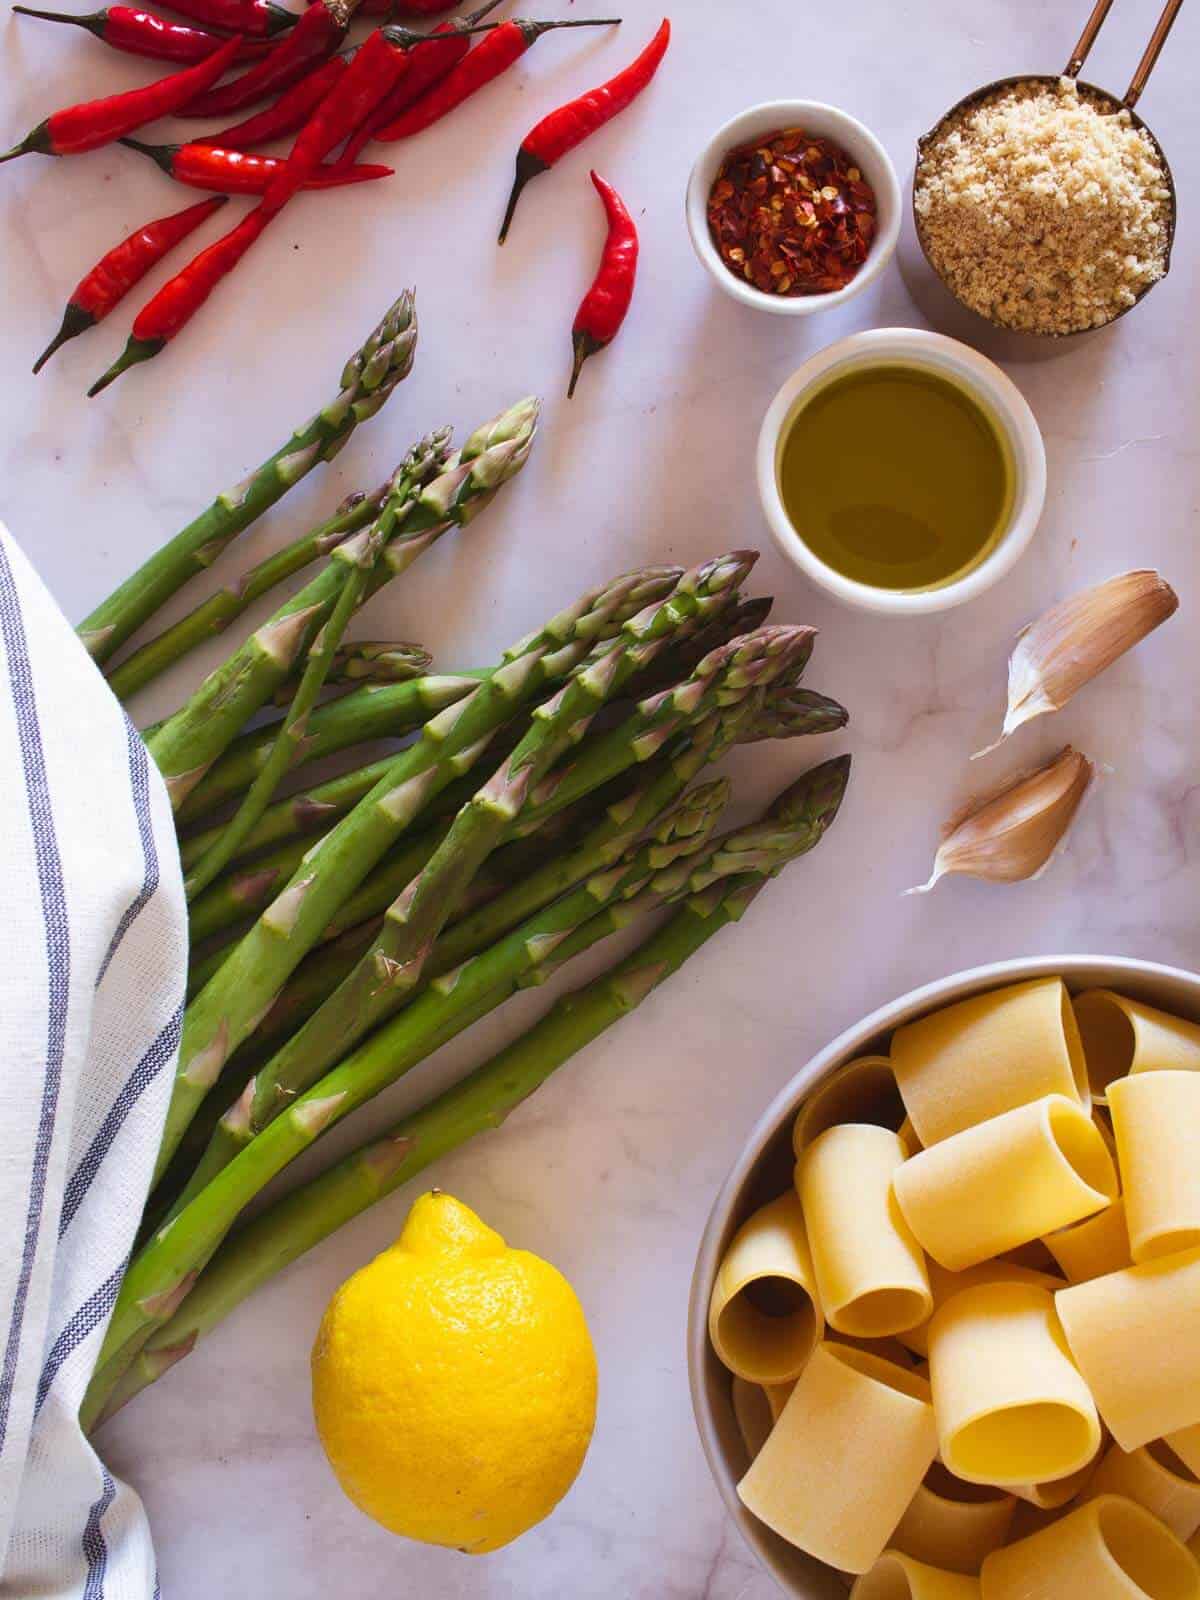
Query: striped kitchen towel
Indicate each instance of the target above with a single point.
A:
(91, 991)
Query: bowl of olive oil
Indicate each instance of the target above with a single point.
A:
(901, 470)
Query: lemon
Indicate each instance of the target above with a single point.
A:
(454, 1383)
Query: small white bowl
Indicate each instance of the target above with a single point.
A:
(1001, 399)
(764, 1169)
(825, 121)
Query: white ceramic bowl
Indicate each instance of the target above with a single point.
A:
(999, 396)
(764, 1169)
(859, 142)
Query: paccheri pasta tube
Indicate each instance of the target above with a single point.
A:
(869, 1269)
(763, 1317)
(1003, 1182)
(1058, 1491)
(988, 1054)
(845, 1458)
(1186, 1445)
(1156, 1478)
(861, 1091)
(943, 1284)
(896, 1576)
(1097, 1245)
(953, 1524)
(1011, 1407)
(752, 1413)
(778, 1395)
(1109, 1549)
(1156, 1119)
(1135, 1337)
(1121, 1036)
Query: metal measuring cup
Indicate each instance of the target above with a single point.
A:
(1101, 98)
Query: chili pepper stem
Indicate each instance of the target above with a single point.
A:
(407, 39)
(36, 142)
(136, 351)
(584, 345)
(278, 18)
(528, 166)
(75, 321)
(92, 22)
(160, 154)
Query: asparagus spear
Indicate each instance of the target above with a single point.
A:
(785, 712)
(376, 711)
(229, 1007)
(214, 615)
(794, 711)
(235, 897)
(300, 1062)
(188, 743)
(356, 560)
(360, 661)
(394, 966)
(367, 380)
(481, 1101)
(245, 890)
(319, 974)
(384, 711)
(161, 1274)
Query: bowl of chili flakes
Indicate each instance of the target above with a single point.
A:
(793, 207)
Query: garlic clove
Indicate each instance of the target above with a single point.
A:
(1077, 639)
(1013, 834)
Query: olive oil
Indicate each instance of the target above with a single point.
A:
(895, 477)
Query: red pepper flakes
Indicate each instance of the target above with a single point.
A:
(791, 214)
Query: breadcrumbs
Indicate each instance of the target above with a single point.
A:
(1041, 212)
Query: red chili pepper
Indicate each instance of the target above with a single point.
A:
(142, 33)
(120, 268)
(288, 115)
(376, 69)
(503, 47)
(576, 121)
(426, 68)
(602, 309)
(372, 72)
(205, 166)
(97, 122)
(253, 17)
(161, 318)
(317, 35)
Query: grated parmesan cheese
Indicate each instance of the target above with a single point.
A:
(1041, 212)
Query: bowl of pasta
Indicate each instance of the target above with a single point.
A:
(944, 1330)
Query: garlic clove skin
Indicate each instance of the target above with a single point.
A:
(1015, 833)
(1077, 639)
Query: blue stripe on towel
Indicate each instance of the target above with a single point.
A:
(144, 1074)
(94, 1311)
(95, 1551)
(139, 782)
(58, 954)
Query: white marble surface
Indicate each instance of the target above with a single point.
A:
(610, 1170)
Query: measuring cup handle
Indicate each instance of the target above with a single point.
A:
(1088, 38)
(1153, 50)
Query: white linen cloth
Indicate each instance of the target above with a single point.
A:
(91, 995)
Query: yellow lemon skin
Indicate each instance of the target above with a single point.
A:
(454, 1383)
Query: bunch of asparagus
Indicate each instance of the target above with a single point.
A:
(521, 814)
